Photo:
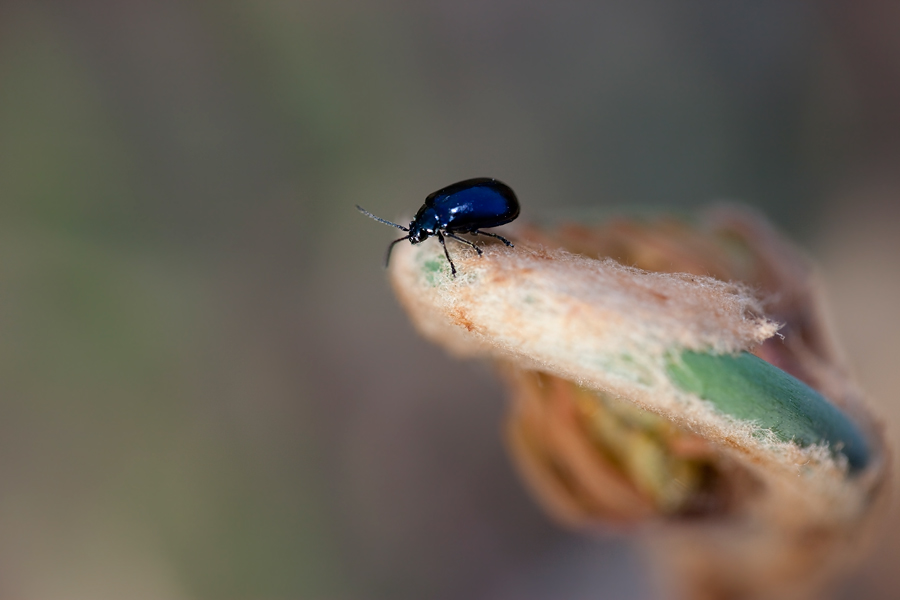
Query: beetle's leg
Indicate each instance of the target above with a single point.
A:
(465, 241)
(387, 259)
(499, 237)
(447, 254)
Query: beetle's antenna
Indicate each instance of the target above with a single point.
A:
(380, 220)
(387, 259)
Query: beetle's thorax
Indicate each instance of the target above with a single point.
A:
(425, 225)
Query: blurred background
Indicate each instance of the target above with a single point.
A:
(207, 389)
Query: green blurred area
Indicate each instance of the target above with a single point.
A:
(206, 390)
(151, 446)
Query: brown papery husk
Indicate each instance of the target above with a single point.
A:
(578, 311)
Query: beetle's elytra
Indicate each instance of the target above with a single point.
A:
(464, 207)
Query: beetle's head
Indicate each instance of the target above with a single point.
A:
(417, 233)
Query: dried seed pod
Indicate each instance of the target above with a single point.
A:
(636, 399)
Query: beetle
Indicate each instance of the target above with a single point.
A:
(463, 207)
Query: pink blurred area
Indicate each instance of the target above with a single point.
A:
(207, 389)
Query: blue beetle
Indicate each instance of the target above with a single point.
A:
(464, 207)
